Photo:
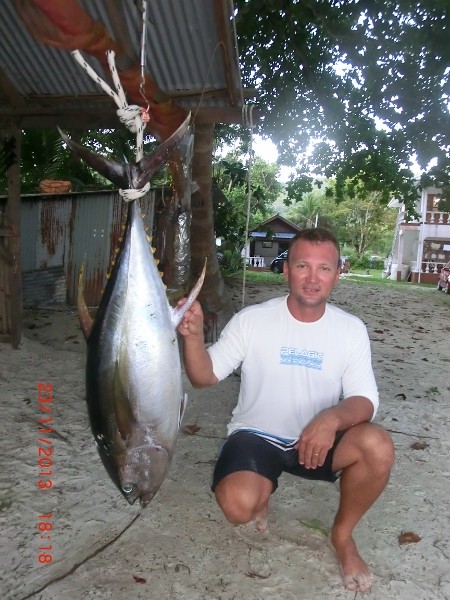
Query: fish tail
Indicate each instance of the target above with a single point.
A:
(86, 320)
(179, 311)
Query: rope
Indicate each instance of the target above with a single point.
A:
(247, 119)
(133, 194)
(132, 116)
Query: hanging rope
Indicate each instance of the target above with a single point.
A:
(247, 119)
(132, 116)
(145, 111)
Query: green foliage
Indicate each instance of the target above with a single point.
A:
(360, 221)
(230, 211)
(367, 82)
(45, 156)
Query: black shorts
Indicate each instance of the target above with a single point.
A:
(248, 451)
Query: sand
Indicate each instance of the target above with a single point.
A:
(180, 547)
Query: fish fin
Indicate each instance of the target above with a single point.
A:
(183, 404)
(149, 165)
(179, 311)
(113, 170)
(122, 408)
(86, 321)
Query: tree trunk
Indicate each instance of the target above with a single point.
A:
(214, 296)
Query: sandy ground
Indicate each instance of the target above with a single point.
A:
(179, 547)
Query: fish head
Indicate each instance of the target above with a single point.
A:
(142, 472)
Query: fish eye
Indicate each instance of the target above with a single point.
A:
(127, 488)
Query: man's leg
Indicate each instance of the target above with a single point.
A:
(244, 496)
(245, 475)
(365, 455)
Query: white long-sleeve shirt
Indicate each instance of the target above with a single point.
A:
(292, 370)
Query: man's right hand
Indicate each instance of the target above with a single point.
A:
(192, 323)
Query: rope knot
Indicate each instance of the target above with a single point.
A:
(131, 194)
(130, 116)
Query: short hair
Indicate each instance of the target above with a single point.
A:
(316, 235)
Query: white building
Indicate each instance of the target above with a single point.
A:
(421, 247)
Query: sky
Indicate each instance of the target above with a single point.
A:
(267, 150)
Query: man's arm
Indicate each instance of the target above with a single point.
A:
(318, 437)
(197, 362)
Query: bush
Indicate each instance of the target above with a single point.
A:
(232, 261)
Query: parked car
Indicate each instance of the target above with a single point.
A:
(444, 280)
(276, 266)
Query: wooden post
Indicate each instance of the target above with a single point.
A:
(13, 225)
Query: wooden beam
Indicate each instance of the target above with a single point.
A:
(223, 115)
(9, 90)
(13, 223)
(106, 118)
(223, 11)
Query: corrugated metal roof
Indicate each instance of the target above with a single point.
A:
(273, 236)
(190, 52)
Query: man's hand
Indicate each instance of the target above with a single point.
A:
(316, 440)
(197, 362)
(318, 437)
(192, 323)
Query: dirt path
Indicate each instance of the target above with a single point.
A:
(180, 548)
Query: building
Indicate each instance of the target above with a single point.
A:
(268, 240)
(421, 247)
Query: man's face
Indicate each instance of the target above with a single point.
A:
(312, 271)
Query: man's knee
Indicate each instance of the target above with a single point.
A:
(366, 443)
(240, 495)
(377, 447)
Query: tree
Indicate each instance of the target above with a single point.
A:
(230, 212)
(44, 156)
(360, 222)
(365, 223)
(352, 89)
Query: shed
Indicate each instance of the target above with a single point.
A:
(191, 64)
(271, 238)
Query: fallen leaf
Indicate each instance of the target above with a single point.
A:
(191, 429)
(408, 537)
(419, 445)
(139, 579)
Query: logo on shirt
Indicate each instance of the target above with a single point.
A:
(301, 357)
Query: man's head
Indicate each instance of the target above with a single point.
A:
(315, 235)
(312, 270)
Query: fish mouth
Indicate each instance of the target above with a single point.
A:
(145, 499)
(130, 491)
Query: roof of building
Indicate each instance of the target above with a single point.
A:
(273, 235)
(266, 228)
(190, 52)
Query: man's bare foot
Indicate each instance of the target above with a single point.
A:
(356, 574)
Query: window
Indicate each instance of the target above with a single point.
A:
(267, 244)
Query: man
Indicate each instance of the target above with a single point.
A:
(307, 398)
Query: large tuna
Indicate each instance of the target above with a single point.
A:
(133, 373)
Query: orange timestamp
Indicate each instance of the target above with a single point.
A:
(45, 465)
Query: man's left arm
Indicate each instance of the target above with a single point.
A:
(359, 403)
(318, 437)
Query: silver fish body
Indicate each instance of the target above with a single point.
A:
(133, 374)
